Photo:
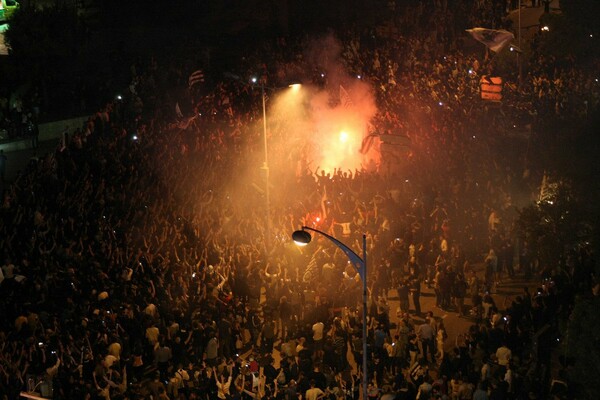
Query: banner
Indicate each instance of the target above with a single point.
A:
(491, 88)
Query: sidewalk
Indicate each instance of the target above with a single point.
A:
(17, 160)
(530, 18)
(19, 151)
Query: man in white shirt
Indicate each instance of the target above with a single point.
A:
(425, 334)
(318, 329)
(222, 385)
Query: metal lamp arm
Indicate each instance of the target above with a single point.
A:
(357, 261)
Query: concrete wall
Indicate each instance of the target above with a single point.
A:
(48, 131)
(53, 130)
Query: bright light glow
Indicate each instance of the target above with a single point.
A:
(591, 35)
(301, 244)
(545, 28)
(313, 118)
(253, 79)
(359, 76)
(135, 137)
(440, 103)
(318, 219)
(119, 97)
(322, 75)
(295, 86)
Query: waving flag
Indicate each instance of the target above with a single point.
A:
(345, 99)
(367, 142)
(196, 77)
(494, 39)
(178, 111)
(185, 123)
(311, 274)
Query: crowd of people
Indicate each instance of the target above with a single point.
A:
(135, 265)
(19, 119)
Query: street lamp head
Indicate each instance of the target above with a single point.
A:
(295, 86)
(301, 238)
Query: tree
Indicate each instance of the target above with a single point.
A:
(554, 226)
(47, 45)
(572, 33)
(583, 341)
(39, 35)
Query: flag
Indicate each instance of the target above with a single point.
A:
(416, 372)
(311, 274)
(345, 99)
(178, 111)
(185, 123)
(366, 144)
(232, 76)
(196, 77)
(491, 88)
(494, 39)
(515, 49)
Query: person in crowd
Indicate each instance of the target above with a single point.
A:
(314, 393)
(426, 336)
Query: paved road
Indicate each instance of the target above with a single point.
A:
(455, 325)
(17, 160)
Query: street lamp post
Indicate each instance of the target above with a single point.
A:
(265, 166)
(519, 41)
(266, 169)
(302, 238)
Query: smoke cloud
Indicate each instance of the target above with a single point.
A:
(324, 125)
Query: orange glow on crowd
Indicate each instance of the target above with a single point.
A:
(327, 132)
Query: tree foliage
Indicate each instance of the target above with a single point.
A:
(572, 33)
(554, 226)
(45, 34)
(584, 347)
